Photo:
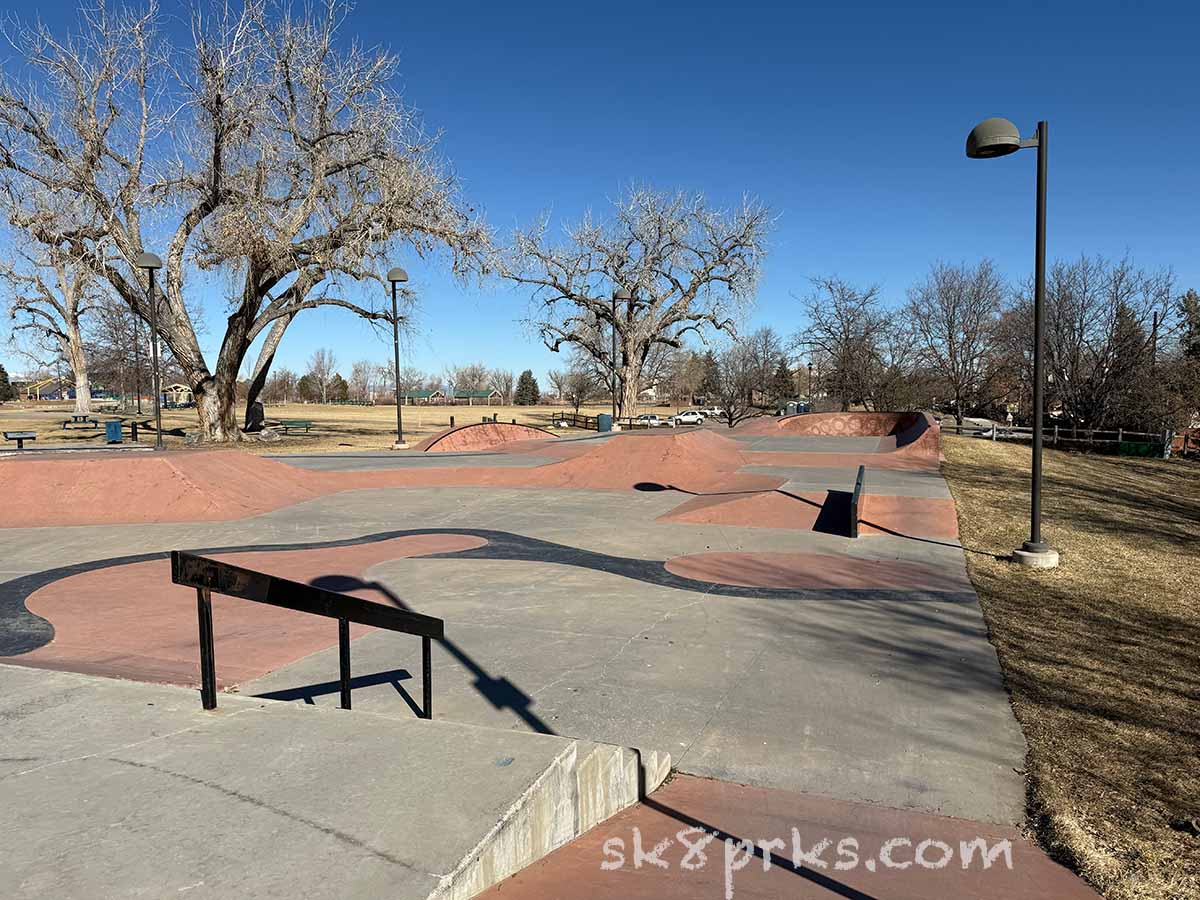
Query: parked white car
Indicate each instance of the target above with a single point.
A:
(713, 412)
(648, 420)
(687, 417)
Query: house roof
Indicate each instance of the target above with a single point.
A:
(420, 395)
(475, 394)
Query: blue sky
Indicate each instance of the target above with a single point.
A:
(848, 120)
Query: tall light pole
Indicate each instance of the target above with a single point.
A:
(397, 276)
(1000, 137)
(624, 296)
(152, 264)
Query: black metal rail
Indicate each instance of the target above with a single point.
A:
(860, 489)
(209, 575)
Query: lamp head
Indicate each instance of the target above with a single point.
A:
(622, 294)
(993, 137)
(148, 261)
(397, 274)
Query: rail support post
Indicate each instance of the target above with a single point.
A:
(208, 667)
(344, 661)
(427, 676)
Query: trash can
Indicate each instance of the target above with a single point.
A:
(112, 431)
(604, 422)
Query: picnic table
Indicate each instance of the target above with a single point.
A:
(20, 437)
(83, 420)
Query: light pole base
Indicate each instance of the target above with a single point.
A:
(400, 445)
(1036, 556)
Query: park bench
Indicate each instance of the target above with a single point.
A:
(287, 424)
(81, 421)
(20, 437)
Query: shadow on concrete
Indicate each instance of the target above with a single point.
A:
(500, 692)
(307, 693)
(830, 884)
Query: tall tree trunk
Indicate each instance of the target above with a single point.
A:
(216, 405)
(628, 388)
(77, 359)
(262, 368)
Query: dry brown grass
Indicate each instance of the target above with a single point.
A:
(335, 428)
(1102, 655)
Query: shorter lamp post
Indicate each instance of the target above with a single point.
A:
(152, 264)
(397, 276)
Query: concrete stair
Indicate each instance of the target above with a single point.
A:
(121, 789)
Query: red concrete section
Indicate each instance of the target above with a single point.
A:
(904, 433)
(180, 486)
(131, 622)
(767, 509)
(890, 461)
(927, 517)
(188, 486)
(872, 853)
(814, 571)
(482, 436)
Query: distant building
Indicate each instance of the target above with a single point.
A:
(478, 398)
(178, 395)
(423, 398)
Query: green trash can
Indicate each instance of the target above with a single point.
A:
(112, 431)
(604, 422)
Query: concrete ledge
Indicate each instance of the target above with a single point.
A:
(586, 784)
(121, 789)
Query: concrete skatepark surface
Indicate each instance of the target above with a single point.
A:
(686, 593)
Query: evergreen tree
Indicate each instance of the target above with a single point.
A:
(308, 389)
(710, 383)
(1189, 312)
(527, 393)
(782, 385)
(6, 389)
(338, 389)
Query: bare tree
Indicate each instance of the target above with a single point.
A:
(954, 314)
(558, 381)
(503, 381)
(845, 325)
(737, 371)
(322, 367)
(1099, 332)
(292, 164)
(280, 387)
(473, 377)
(362, 380)
(49, 298)
(687, 267)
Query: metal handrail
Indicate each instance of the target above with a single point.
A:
(860, 488)
(208, 575)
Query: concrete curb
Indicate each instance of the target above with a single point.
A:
(585, 784)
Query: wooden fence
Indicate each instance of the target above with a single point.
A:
(1128, 443)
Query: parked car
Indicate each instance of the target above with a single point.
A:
(687, 417)
(648, 420)
(713, 412)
